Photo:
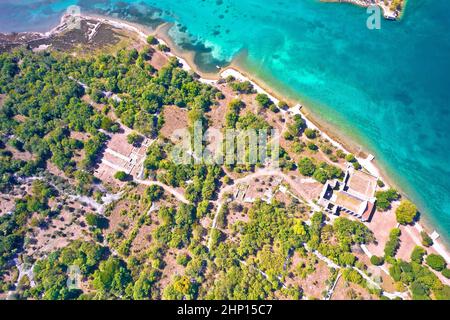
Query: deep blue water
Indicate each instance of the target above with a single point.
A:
(389, 89)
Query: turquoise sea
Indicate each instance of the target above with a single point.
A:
(388, 89)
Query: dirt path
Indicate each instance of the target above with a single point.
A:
(333, 286)
(167, 188)
(259, 173)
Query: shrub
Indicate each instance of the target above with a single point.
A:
(288, 136)
(310, 133)
(219, 95)
(380, 183)
(446, 273)
(120, 175)
(332, 172)
(350, 158)
(418, 254)
(96, 95)
(406, 212)
(426, 240)
(274, 108)
(297, 147)
(320, 175)
(283, 105)
(230, 79)
(242, 87)
(91, 219)
(226, 180)
(377, 261)
(263, 100)
(135, 139)
(94, 220)
(333, 158)
(352, 275)
(326, 149)
(436, 262)
(306, 167)
(154, 192)
(346, 259)
(183, 259)
(356, 165)
(442, 294)
(393, 243)
(163, 48)
(340, 153)
(312, 146)
(152, 40)
(384, 198)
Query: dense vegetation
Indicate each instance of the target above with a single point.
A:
(421, 281)
(61, 110)
(385, 198)
(321, 172)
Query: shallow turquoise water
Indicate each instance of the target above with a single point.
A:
(388, 88)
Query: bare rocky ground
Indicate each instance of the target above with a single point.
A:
(90, 37)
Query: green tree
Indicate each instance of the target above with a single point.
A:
(183, 259)
(95, 220)
(154, 192)
(283, 105)
(320, 175)
(263, 100)
(426, 239)
(442, 293)
(181, 288)
(151, 40)
(112, 277)
(312, 146)
(310, 133)
(350, 158)
(406, 212)
(436, 262)
(135, 139)
(392, 245)
(306, 167)
(296, 128)
(142, 287)
(376, 260)
(50, 273)
(91, 219)
(446, 273)
(242, 87)
(384, 198)
(418, 254)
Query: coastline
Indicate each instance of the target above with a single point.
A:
(329, 132)
(388, 14)
(348, 144)
(186, 58)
